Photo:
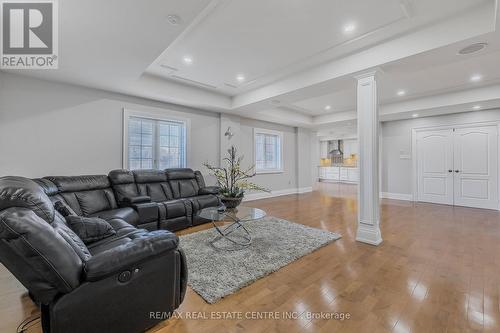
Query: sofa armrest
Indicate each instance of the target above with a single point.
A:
(148, 211)
(209, 190)
(125, 257)
(136, 200)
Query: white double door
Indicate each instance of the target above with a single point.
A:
(458, 166)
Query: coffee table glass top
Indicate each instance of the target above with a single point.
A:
(241, 213)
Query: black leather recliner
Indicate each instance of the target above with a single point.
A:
(148, 199)
(178, 195)
(112, 285)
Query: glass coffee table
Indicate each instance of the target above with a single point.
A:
(237, 216)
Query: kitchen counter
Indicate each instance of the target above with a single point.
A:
(343, 173)
(338, 166)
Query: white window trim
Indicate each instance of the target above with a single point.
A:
(272, 132)
(162, 116)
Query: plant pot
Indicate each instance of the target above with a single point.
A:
(231, 202)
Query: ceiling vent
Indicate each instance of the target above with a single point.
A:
(169, 67)
(472, 48)
(198, 83)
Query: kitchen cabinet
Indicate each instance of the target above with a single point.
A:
(323, 149)
(332, 173)
(339, 174)
(322, 173)
(343, 174)
(350, 148)
(347, 149)
(353, 175)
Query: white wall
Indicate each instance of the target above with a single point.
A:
(55, 129)
(304, 158)
(315, 157)
(243, 130)
(51, 128)
(396, 141)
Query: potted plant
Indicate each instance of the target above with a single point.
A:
(233, 180)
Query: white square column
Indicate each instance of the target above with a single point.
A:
(368, 191)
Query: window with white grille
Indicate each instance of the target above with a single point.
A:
(156, 144)
(268, 151)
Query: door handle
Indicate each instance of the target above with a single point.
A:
(457, 171)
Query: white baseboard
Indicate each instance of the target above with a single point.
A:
(304, 189)
(396, 196)
(277, 193)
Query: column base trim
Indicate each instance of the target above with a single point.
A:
(369, 233)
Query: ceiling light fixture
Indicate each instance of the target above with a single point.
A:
(350, 27)
(401, 92)
(476, 78)
(415, 115)
(328, 107)
(476, 107)
(476, 47)
(174, 19)
(240, 78)
(187, 60)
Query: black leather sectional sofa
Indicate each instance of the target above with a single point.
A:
(148, 199)
(113, 284)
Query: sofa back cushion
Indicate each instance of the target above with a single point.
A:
(123, 184)
(24, 192)
(85, 194)
(199, 179)
(39, 254)
(153, 183)
(182, 182)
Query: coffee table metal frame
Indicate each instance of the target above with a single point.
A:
(228, 230)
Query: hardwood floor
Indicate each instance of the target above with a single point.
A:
(438, 270)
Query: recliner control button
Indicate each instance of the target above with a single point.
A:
(124, 276)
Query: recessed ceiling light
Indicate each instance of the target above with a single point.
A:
(476, 107)
(174, 19)
(328, 107)
(240, 77)
(476, 78)
(349, 27)
(415, 115)
(187, 60)
(476, 47)
(401, 92)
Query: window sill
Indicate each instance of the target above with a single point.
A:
(263, 172)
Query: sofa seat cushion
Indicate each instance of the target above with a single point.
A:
(149, 226)
(127, 214)
(176, 223)
(121, 227)
(203, 201)
(175, 208)
(112, 242)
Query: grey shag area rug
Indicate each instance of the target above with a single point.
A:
(217, 272)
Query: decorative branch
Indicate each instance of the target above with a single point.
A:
(231, 178)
